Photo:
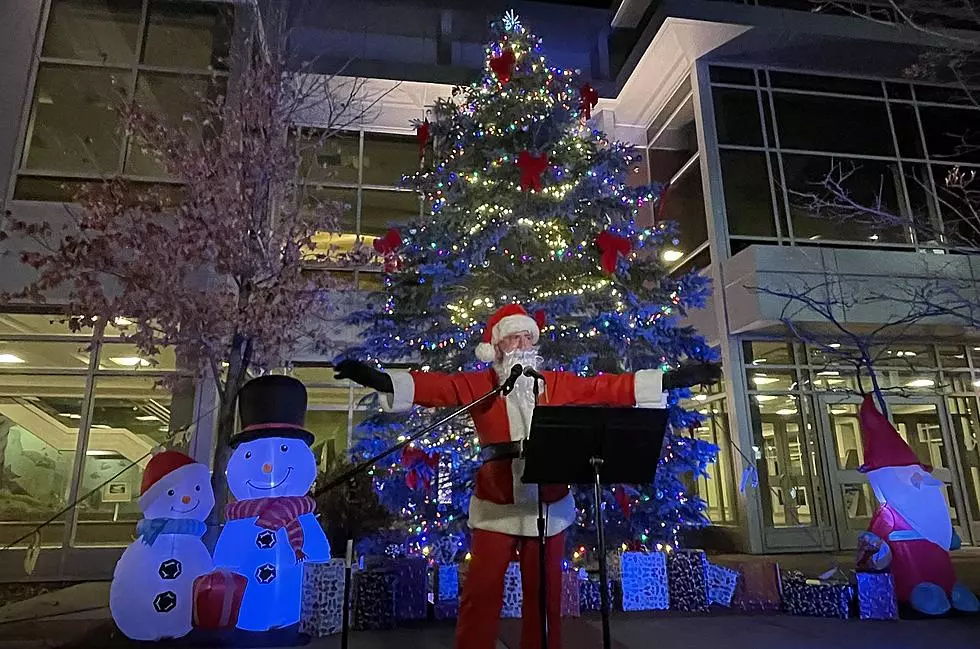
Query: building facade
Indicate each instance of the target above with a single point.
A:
(740, 106)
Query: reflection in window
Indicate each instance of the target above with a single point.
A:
(748, 197)
(100, 31)
(966, 432)
(685, 207)
(737, 117)
(866, 182)
(944, 129)
(381, 210)
(785, 469)
(388, 157)
(130, 417)
(329, 159)
(38, 437)
(188, 35)
(74, 126)
(718, 489)
(767, 353)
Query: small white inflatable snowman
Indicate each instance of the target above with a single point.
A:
(272, 528)
(151, 596)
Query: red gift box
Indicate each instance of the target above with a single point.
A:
(217, 599)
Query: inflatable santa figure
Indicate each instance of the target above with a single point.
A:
(503, 510)
(912, 523)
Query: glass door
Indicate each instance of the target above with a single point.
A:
(921, 421)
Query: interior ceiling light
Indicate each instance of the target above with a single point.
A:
(11, 359)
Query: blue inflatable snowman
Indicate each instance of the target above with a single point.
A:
(271, 529)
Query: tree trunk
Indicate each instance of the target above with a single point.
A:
(238, 362)
(879, 396)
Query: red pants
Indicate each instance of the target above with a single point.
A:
(483, 592)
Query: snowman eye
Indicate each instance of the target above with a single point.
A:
(197, 487)
(283, 448)
(248, 454)
(170, 492)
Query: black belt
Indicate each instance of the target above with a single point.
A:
(504, 451)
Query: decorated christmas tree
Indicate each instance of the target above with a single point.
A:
(528, 203)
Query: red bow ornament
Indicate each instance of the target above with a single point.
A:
(503, 64)
(588, 98)
(422, 467)
(387, 246)
(540, 319)
(611, 246)
(531, 166)
(422, 132)
(624, 498)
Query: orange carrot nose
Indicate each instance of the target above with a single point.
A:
(186, 500)
(266, 468)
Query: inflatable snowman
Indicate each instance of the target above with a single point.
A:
(151, 596)
(272, 528)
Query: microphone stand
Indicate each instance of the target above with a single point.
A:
(504, 388)
(542, 539)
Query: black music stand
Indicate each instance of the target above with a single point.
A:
(597, 446)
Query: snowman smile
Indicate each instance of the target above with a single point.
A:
(185, 511)
(272, 485)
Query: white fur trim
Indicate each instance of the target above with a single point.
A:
(648, 389)
(485, 352)
(177, 476)
(521, 520)
(512, 324)
(404, 396)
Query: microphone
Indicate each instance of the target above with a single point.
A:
(515, 373)
(533, 373)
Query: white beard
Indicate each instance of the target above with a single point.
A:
(520, 409)
(924, 508)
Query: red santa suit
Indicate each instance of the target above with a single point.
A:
(913, 518)
(503, 511)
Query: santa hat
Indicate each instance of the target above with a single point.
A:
(883, 446)
(507, 320)
(173, 465)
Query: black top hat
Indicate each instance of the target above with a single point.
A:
(272, 406)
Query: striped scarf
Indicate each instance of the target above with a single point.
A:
(276, 513)
(148, 529)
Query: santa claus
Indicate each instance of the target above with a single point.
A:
(912, 527)
(503, 511)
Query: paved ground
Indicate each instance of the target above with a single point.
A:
(78, 617)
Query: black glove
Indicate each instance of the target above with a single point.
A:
(363, 374)
(692, 374)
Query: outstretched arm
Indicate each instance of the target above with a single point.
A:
(400, 389)
(643, 389)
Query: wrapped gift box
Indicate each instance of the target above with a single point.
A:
(813, 598)
(589, 590)
(446, 583)
(645, 581)
(722, 583)
(374, 600)
(217, 599)
(758, 590)
(570, 605)
(686, 577)
(411, 587)
(445, 610)
(322, 612)
(513, 594)
(876, 596)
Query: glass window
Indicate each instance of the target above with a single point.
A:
(329, 428)
(816, 123)
(188, 34)
(718, 488)
(130, 417)
(329, 159)
(748, 199)
(29, 323)
(907, 131)
(57, 190)
(172, 97)
(681, 96)
(742, 76)
(685, 207)
(905, 356)
(332, 199)
(772, 379)
(381, 210)
(865, 182)
(664, 163)
(944, 129)
(966, 432)
(101, 31)
(767, 353)
(21, 355)
(918, 424)
(785, 485)
(737, 117)
(123, 356)
(388, 157)
(38, 435)
(820, 83)
(74, 124)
